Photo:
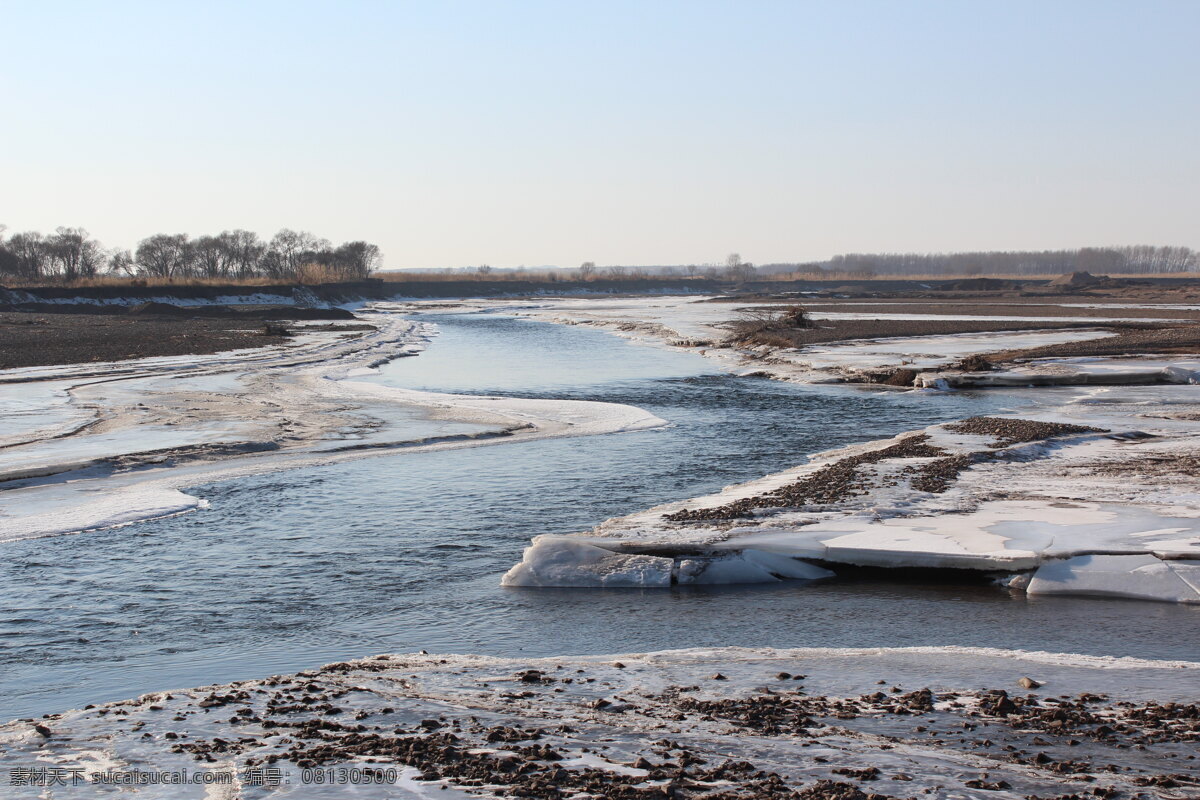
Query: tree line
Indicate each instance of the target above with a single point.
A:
(71, 254)
(1132, 260)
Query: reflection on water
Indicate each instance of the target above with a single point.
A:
(404, 552)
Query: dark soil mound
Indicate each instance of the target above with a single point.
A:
(1013, 431)
(981, 285)
(1077, 280)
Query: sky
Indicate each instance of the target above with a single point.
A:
(459, 133)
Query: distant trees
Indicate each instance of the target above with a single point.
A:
(736, 269)
(1138, 259)
(71, 253)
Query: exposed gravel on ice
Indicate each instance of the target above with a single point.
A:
(830, 484)
(715, 724)
(843, 479)
(1009, 430)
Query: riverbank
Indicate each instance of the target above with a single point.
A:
(887, 504)
(817, 724)
(93, 445)
(343, 553)
(36, 339)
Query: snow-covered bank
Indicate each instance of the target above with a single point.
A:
(701, 326)
(1099, 497)
(1073, 372)
(809, 723)
(120, 440)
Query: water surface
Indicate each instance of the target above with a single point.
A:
(405, 552)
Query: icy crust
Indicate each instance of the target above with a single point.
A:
(700, 326)
(560, 561)
(118, 441)
(727, 722)
(1109, 508)
(1073, 372)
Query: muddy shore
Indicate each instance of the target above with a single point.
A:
(36, 339)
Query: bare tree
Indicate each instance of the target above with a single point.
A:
(120, 262)
(30, 253)
(75, 253)
(211, 257)
(736, 269)
(357, 260)
(287, 251)
(165, 255)
(587, 270)
(245, 252)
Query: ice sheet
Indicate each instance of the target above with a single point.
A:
(1131, 489)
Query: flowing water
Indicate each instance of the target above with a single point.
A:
(405, 552)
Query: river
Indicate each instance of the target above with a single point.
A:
(405, 551)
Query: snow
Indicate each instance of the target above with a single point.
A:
(748, 565)
(559, 562)
(119, 441)
(1020, 510)
(62, 509)
(1141, 577)
(1075, 371)
(257, 299)
(471, 694)
(132, 430)
(700, 325)
(923, 352)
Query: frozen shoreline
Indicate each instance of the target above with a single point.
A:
(1043, 534)
(964, 744)
(125, 438)
(939, 722)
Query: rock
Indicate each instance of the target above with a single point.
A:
(45, 732)
(1028, 683)
(718, 677)
(783, 676)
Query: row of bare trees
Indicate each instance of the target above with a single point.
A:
(71, 254)
(1133, 260)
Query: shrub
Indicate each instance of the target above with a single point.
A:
(769, 326)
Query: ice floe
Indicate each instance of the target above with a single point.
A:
(1047, 514)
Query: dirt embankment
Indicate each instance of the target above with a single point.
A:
(1180, 339)
(975, 308)
(838, 330)
(36, 340)
(373, 289)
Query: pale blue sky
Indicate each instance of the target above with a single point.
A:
(454, 133)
